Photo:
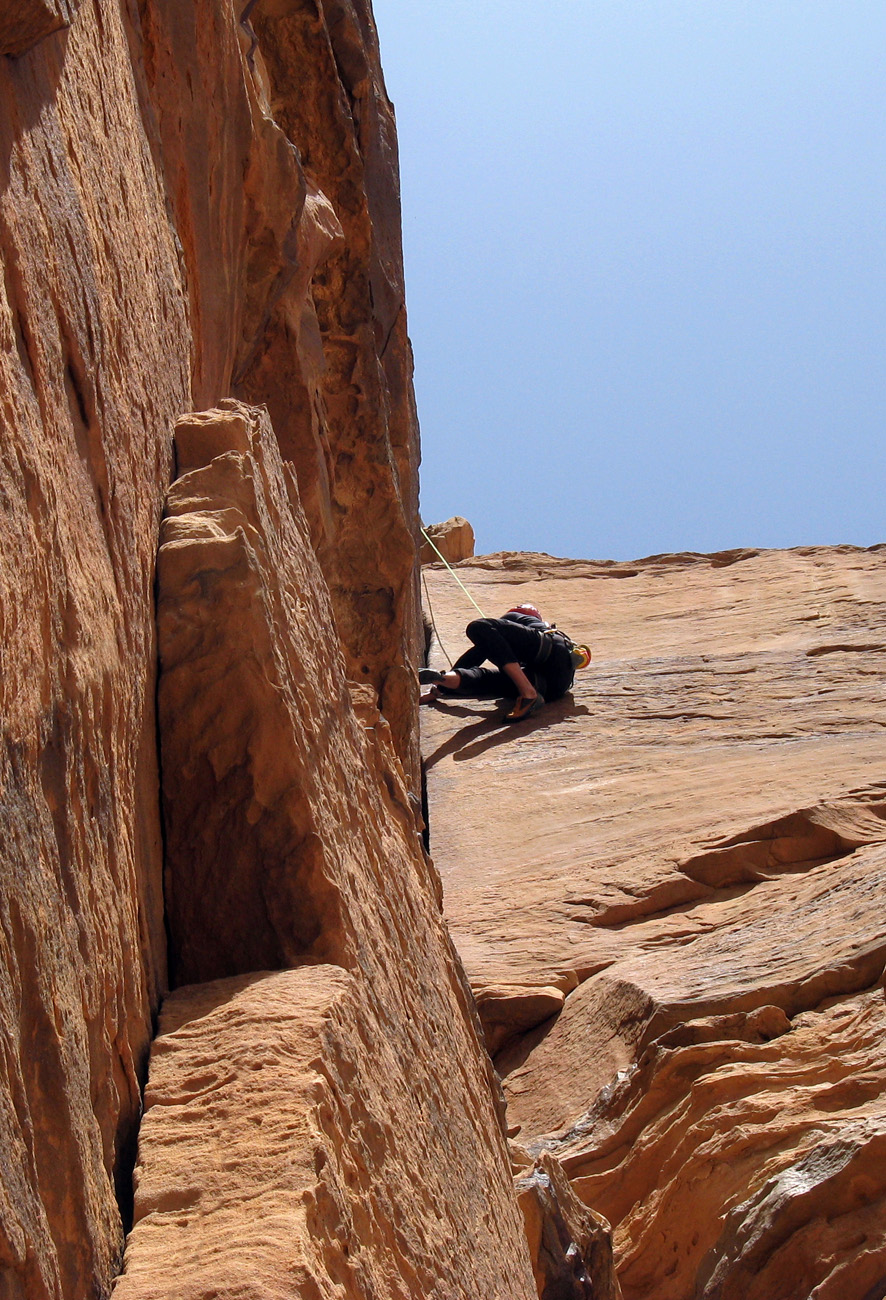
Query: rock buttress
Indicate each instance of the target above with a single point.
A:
(280, 161)
(156, 224)
(328, 1130)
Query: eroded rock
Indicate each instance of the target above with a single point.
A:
(507, 1011)
(453, 540)
(158, 227)
(94, 366)
(291, 841)
(698, 833)
(341, 401)
(25, 22)
(279, 1147)
(570, 1245)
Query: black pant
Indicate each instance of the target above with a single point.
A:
(502, 641)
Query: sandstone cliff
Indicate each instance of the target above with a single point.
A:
(198, 202)
(673, 919)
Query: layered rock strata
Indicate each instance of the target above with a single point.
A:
(691, 848)
(330, 1130)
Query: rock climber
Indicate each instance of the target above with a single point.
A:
(534, 662)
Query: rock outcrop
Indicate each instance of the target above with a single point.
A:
(692, 847)
(301, 1128)
(570, 1245)
(198, 201)
(453, 540)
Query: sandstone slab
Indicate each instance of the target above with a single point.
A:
(696, 837)
(279, 1151)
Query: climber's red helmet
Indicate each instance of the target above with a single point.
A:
(525, 609)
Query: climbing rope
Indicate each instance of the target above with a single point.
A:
(452, 571)
(433, 620)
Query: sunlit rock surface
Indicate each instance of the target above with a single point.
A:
(170, 235)
(696, 841)
(334, 1127)
(452, 541)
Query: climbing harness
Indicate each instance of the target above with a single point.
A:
(579, 654)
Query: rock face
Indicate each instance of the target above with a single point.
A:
(570, 1245)
(94, 366)
(338, 1093)
(692, 848)
(454, 540)
(181, 222)
(25, 22)
(280, 160)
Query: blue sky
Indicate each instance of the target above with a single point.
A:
(645, 248)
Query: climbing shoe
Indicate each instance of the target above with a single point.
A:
(427, 676)
(524, 708)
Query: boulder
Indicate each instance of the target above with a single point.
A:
(454, 540)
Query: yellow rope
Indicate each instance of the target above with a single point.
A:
(454, 574)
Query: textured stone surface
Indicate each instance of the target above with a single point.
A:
(24, 22)
(570, 1245)
(93, 368)
(509, 1011)
(280, 165)
(158, 230)
(281, 1147)
(371, 1140)
(697, 839)
(341, 401)
(454, 540)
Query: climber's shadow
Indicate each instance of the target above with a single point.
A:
(492, 730)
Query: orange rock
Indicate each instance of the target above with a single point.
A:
(454, 540)
(570, 1245)
(507, 1011)
(284, 1151)
(24, 22)
(94, 367)
(341, 401)
(335, 1125)
(699, 832)
(163, 242)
